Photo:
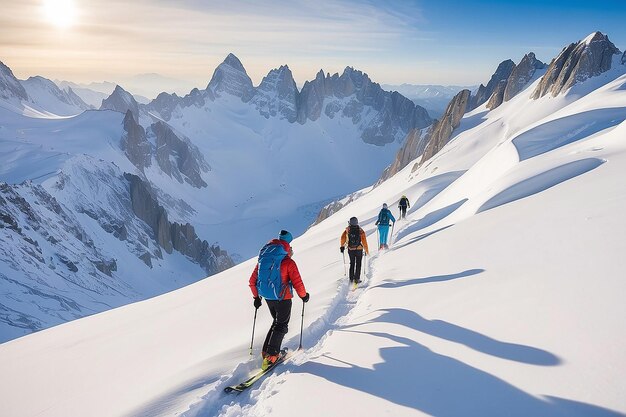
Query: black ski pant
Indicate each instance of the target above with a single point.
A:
(402, 212)
(281, 313)
(356, 255)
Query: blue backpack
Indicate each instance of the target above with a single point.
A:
(269, 282)
(383, 217)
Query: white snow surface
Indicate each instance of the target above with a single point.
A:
(502, 294)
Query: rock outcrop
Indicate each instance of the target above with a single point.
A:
(164, 104)
(277, 95)
(176, 157)
(576, 63)
(521, 75)
(497, 97)
(134, 143)
(414, 146)
(483, 94)
(441, 132)
(174, 236)
(122, 101)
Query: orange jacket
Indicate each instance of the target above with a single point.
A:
(344, 240)
(288, 272)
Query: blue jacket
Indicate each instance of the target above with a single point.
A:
(381, 217)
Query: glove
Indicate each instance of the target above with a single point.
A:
(341, 249)
(376, 224)
(257, 302)
(305, 298)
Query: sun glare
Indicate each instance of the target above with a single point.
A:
(60, 13)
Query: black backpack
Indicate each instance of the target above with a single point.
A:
(383, 217)
(354, 236)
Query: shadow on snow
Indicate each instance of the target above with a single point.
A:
(414, 376)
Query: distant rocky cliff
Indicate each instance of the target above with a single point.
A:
(173, 236)
(176, 158)
(576, 63)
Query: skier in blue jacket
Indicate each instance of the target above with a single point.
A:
(384, 217)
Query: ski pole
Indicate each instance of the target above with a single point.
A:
(253, 326)
(378, 238)
(301, 327)
(391, 235)
(344, 263)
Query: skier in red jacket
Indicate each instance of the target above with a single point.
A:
(279, 304)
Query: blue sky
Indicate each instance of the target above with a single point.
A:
(419, 42)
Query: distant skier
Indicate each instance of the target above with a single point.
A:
(274, 278)
(384, 217)
(403, 204)
(355, 239)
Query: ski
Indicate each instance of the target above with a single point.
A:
(254, 378)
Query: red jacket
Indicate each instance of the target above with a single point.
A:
(288, 271)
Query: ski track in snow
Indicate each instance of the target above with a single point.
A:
(250, 402)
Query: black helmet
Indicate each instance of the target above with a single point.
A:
(354, 221)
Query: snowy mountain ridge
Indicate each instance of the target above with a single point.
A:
(392, 114)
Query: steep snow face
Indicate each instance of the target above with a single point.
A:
(475, 309)
(37, 97)
(45, 94)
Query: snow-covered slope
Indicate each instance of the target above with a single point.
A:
(45, 94)
(37, 97)
(502, 294)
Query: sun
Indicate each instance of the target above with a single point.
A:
(60, 13)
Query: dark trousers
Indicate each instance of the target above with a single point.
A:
(402, 212)
(355, 263)
(281, 313)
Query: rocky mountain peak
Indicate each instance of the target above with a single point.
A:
(504, 70)
(346, 95)
(278, 94)
(121, 100)
(230, 77)
(441, 131)
(521, 74)
(577, 62)
(234, 62)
